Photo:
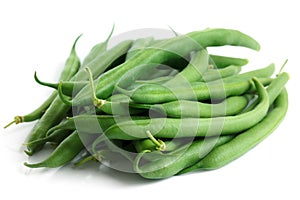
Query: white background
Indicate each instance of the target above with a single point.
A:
(37, 35)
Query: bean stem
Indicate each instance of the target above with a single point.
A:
(160, 145)
(97, 102)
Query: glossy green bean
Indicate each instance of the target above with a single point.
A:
(57, 110)
(64, 153)
(118, 104)
(259, 73)
(171, 165)
(184, 108)
(273, 89)
(138, 45)
(162, 52)
(191, 127)
(156, 94)
(98, 65)
(96, 51)
(96, 123)
(71, 67)
(215, 74)
(245, 141)
(68, 86)
(159, 80)
(223, 61)
(36, 114)
(56, 137)
(194, 71)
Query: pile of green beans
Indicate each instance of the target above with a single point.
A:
(158, 108)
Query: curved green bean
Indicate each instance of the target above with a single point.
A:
(194, 71)
(56, 108)
(224, 61)
(192, 127)
(215, 74)
(184, 108)
(71, 67)
(156, 94)
(162, 52)
(245, 141)
(171, 165)
(64, 153)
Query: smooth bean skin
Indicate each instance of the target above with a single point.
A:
(91, 123)
(71, 67)
(223, 61)
(245, 141)
(157, 94)
(159, 80)
(138, 45)
(192, 127)
(97, 50)
(36, 114)
(64, 153)
(223, 36)
(55, 138)
(98, 65)
(259, 73)
(171, 165)
(56, 110)
(215, 74)
(162, 52)
(68, 87)
(273, 89)
(184, 108)
(118, 104)
(197, 66)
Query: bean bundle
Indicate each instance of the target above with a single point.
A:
(158, 108)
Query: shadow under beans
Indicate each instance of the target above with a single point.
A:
(94, 172)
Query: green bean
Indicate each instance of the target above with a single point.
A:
(160, 53)
(64, 153)
(68, 86)
(98, 65)
(92, 57)
(259, 73)
(245, 141)
(193, 71)
(97, 50)
(139, 45)
(96, 123)
(191, 127)
(273, 89)
(56, 111)
(104, 61)
(134, 74)
(118, 104)
(36, 114)
(156, 94)
(223, 36)
(223, 61)
(159, 80)
(69, 70)
(183, 108)
(171, 165)
(55, 138)
(160, 71)
(215, 74)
